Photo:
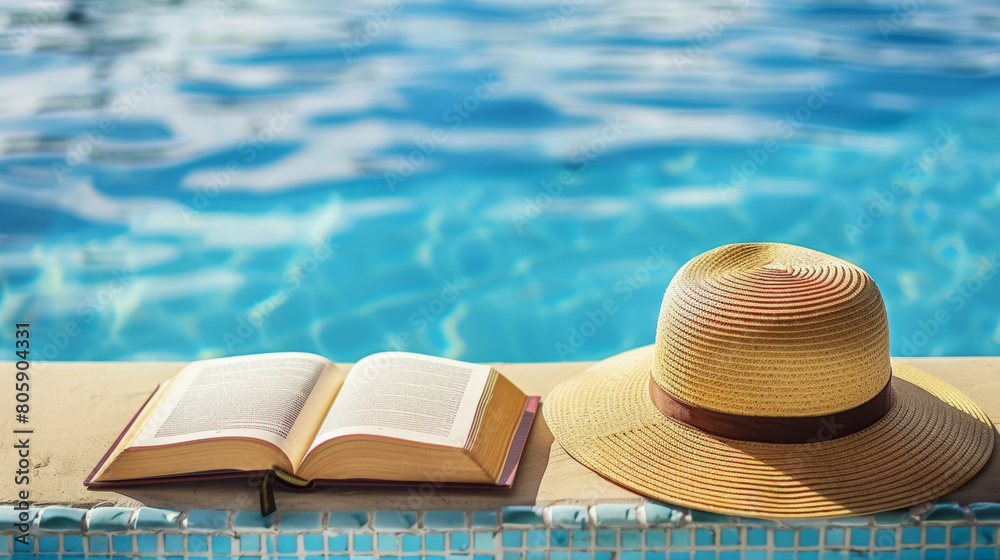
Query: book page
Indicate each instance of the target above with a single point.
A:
(260, 396)
(408, 396)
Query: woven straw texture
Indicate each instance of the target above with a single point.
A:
(771, 330)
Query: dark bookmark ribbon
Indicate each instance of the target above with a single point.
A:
(267, 503)
(775, 429)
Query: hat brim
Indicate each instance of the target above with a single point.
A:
(932, 441)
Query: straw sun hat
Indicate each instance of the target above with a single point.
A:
(770, 393)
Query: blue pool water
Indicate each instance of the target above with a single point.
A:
(484, 180)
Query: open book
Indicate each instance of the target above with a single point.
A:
(395, 416)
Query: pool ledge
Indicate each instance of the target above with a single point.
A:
(557, 507)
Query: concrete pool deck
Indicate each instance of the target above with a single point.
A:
(79, 408)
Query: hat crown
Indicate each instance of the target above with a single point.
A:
(767, 329)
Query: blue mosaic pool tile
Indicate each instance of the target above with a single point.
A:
(207, 520)
(25, 548)
(460, 541)
(288, 544)
(911, 554)
(607, 538)
(860, 537)
(108, 520)
(534, 555)
(581, 539)
(121, 543)
(393, 520)
(885, 538)
(946, 511)
(680, 538)
(985, 554)
(249, 543)
(986, 511)
(935, 553)
(756, 537)
(834, 536)
(362, 542)
(569, 516)
(444, 519)
(483, 541)
(173, 543)
(658, 513)
(511, 539)
(151, 519)
(559, 538)
(808, 538)
(197, 543)
(698, 516)
(312, 542)
(730, 537)
(98, 544)
(434, 541)
(45, 544)
(935, 535)
(616, 515)
(61, 519)
(534, 539)
(521, 515)
(986, 535)
(300, 521)
(347, 520)
(337, 543)
(222, 544)
(631, 539)
(961, 536)
(253, 521)
(410, 542)
(10, 517)
(73, 543)
(387, 542)
(655, 538)
(704, 537)
(911, 535)
(484, 518)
